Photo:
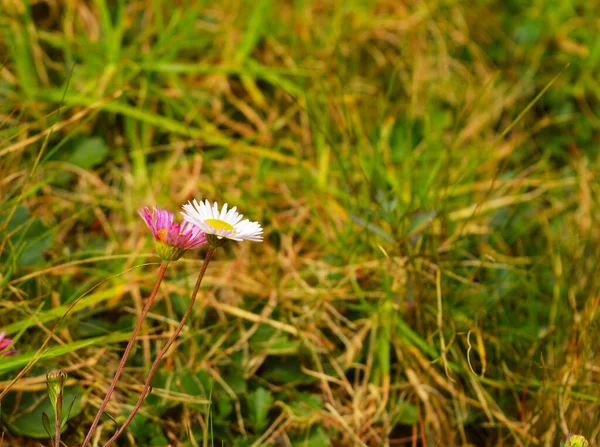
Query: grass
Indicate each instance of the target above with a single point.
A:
(426, 176)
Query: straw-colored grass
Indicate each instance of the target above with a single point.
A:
(426, 174)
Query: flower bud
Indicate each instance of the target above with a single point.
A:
(575, 441)
(55, 381)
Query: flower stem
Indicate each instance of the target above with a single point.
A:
(164, 350)
(111, 388)
(58, 419)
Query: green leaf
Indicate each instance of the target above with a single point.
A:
(146, 431)
(234, 377)
(36, 241)
(315, 437)
(408, 414)
(288, 373)
(47, 425)
(18, 361)
(191, 384)
(157, 404)
(89, 152)
(246, 441)
(306, 403)
(224, 406)
(259, 403)
(22, 412)
(18, 218)
(256, 27)
(30, 238)
(318, 438)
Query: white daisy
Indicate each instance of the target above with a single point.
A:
(222, 224)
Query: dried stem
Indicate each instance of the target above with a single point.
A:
(164, 350)
(111, 388)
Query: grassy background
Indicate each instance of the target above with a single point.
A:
(425, 172)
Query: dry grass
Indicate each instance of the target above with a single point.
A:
(427, 277)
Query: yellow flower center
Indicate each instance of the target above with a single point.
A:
(162, 234)
(218, 224)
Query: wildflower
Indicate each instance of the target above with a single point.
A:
(575, 441)
(172, 239)
(55, 382)
(221, 224)
(5, 343)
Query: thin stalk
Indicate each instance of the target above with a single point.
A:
(164, 350)
(111, 388)
(58, 417)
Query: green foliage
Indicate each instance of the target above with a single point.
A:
(146, 431)
(426, 174)
(89, 152)
(29, 239)
(259, 404)
(22, 412)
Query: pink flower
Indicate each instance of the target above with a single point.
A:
(172, 239)
(5, 343)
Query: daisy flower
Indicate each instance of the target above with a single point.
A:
(5, 343)
(221, 224)
(172, 239)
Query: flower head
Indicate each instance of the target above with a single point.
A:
(172, 239)
(5, 343)
(221, 224)
(55, 383)
(575, 441)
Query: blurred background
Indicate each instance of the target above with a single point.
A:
(425, 172)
